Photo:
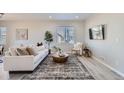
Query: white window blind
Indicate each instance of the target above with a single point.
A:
(3, 31)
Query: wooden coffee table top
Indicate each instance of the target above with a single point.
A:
(60, 59)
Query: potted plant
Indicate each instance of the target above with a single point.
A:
(48, 38)
(58, 51)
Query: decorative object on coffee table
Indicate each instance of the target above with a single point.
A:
(60, 58)
(57, 49)
(48, 38)
(87, 52)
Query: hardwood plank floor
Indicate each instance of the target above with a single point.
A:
(98, 70)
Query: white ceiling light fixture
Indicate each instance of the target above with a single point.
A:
(50, 17)
(1, 15)
(77, 17)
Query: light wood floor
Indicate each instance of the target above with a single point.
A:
(97, 70)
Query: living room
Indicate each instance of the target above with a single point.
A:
(61, 46)
(106, 51)
(37, 26)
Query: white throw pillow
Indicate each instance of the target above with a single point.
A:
(7, 53)
(37, 49)
(40, 48)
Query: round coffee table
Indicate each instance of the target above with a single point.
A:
(60, 59)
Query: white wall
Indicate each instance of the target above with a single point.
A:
(112, 48)
(36, 29)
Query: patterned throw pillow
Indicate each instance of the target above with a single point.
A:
(13, 52)
(22, 51)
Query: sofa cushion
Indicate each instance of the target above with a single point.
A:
(40, 48)
(39, 57)
(37, 49)
(22, 51)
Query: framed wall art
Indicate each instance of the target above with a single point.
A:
(21, 34)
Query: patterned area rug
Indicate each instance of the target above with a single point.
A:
(73, 69)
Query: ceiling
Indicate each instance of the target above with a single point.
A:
(45, 16)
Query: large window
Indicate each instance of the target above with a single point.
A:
(2, 35)
(65, 34)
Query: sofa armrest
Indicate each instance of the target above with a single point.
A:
(18, 63)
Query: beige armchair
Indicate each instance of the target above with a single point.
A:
(78, 48)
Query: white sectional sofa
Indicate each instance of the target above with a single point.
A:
(24, 63)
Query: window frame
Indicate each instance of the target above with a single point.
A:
(65, 33)
(3, 35)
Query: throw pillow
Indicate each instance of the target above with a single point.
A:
(22, 51)
(40, 48)
(31, 51)
(13, 52)
(7, 53)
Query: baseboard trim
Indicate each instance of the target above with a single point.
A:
(113, 69)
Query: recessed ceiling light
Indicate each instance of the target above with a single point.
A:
(50, 17)
(77, 17)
